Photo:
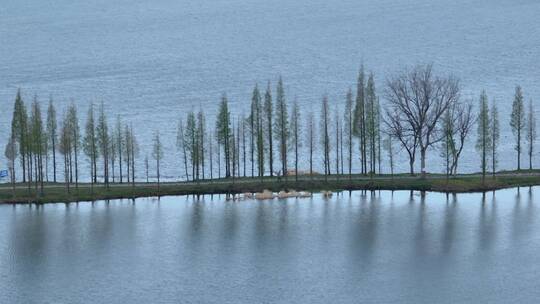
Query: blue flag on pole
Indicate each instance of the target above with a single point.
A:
(3, 173)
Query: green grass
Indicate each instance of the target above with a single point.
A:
(432, 182)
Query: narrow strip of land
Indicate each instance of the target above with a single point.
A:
(58, 192)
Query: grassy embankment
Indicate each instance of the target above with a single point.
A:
(432, 182)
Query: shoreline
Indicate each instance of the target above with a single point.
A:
(464, 183)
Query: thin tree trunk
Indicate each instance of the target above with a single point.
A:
(120, 157)
(158, 181)
(54, 159)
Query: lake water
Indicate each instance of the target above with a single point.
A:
(360, 247)
(151, 61)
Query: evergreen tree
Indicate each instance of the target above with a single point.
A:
(119, 145)
(192, 144)
(372, 123)
(388, 146)
(113, 153)
(517, 122)
(281, 128)
(243, 122)
(102, 132)
(201, 138)
(211, 155)
(253, 120)
(128, 145)
(325, 137)
(483, 141)
(257, 117)
(268, 115)
(181, 145)
(52, 127)
(157, 154)
(337, 137)
(37, 140)
(359, 121)
(19, 129)
(238, 136)
(495, 135)
(223, 132)
(75, 138)
(310, 140)
(233, 149)
(349, 127)
(90, 143)
(64, 147)
(11, 155)
(134, 150)
(295, 127)
(531, 133)
(378, 133)
(146, 166)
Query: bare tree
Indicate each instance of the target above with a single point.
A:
(464, 122)
(457, 123)
(420, 98)
(398, 128)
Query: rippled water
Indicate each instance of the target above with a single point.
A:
(360, 247)
(151, 61)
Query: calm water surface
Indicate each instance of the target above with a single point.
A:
(380, 248)
(151, 61)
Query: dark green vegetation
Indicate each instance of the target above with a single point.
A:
(432, 182)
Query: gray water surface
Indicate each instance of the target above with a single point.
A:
(152, 61)
(357, 248)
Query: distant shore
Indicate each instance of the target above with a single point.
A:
(57, 192)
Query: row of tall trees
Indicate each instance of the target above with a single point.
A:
(34, 141)
(522, 123)
(422, 111)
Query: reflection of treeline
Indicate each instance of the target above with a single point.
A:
(422, 111)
